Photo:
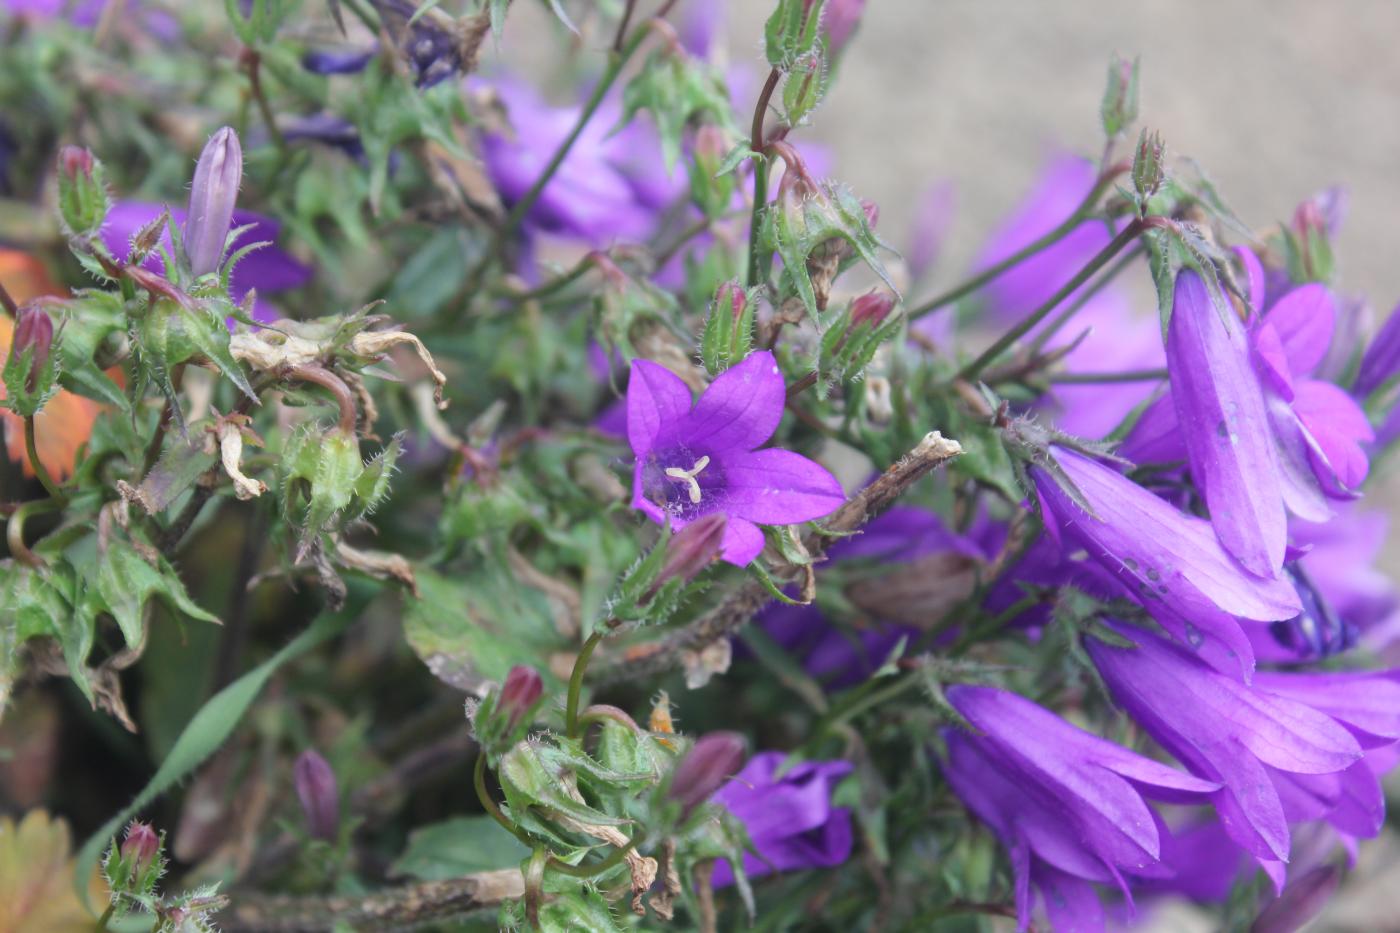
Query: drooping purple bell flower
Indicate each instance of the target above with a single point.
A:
(213, 194)
(1170, 562)
(789, 817)
(697, 459)
(1067, 805)
(1226, 731)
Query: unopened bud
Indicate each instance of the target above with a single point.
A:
(82, 196)
(33, 332)
(872, 212)
(711, 761)
(692, 549)
(140, 846)
(319, 794)
(728, 334)
(1120, 97)
(519, 694)
(212, 197)
(1310, 255)
(872, 308)
(1148, 170)
(840, 20)
(711, 146)
(731, 294)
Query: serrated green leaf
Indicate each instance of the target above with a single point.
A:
(125, 581)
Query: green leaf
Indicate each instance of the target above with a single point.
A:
(531, 777)
(179, 466)
(125, 581)
(677, 90)
(581, 911)
(214, 722)
(458, 847)
(207, 332)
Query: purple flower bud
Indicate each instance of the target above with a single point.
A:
(733, 293)
(519, 694)
(140, 846)
(33, 332)
(693, 548)
(1302, 900)
(872, 212)
(319, 794)
(840, 21)
(82, 196)
(212, 196)
(872, 308)
(712, 760)
(75, 162)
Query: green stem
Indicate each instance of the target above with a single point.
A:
(14, 530)
(1052, 328)
(106, 916)
(489, 805)
(571, 721)
(617, 61)
(1128, 234)
(1131, 375)
(760, 174)
(597, 868)
(32, 450)
(1066, 227)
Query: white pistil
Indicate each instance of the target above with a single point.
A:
(688, 476)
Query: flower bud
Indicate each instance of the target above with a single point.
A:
(711, 191)
(212, 196)
(82, 196)
(711, 761)
(692, 549)
(140, 846)
(732, 294)
(1148, 170)
(872, 308)
(1120, 97)
(519, 694)
(319, 794)
(872, 212)
(33, 332)
(839, 22)
(711, 146)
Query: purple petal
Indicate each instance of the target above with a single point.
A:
(932, 219)
(656, 397)
(1070, 903)
(1366, 703)
(779, 487)
(1221, 410)
(1338, 426)
(1271, 360)
(1156, 438)
(1382, 359)
(1297, 482)
(1304, 319)
(740, 410)
(743, 541)
(1254, 277)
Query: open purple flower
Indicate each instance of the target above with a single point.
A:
(789, 817)
(693, 460)
(267, 270)
(1170, 562)
(1220, 408)
(1249, 739)
(1067, 804)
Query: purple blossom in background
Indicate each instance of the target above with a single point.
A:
(610, 186)
(1117, 340)
(789, 817)
(933, 217)
(1249, 739)
(1220, 408)
(1382, 360)
(340, 61)
(1067, 805)
(267, 270)
(693, 460)
(1168, 561)
(81, 13)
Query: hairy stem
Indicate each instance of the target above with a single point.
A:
(490, 806)
(760, 173)
(989, 355)
(326, 379)
(8, 303)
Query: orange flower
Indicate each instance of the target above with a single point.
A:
(61, 429)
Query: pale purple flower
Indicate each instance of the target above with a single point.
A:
(1239, 735)
(697, 459)
(1382, 360)
(789, 816)
(319, 793)
(928, 232)
(1170, 562)
(213, 194)
(1220, 408)
(1111, 338)
(267, 269)
(1067, 805)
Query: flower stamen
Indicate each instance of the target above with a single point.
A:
(688, 476)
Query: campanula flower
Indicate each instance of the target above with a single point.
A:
(697, 459)
(789, 816)
(1067, 805)
(711, 761)
(1382, 360)
(1239, 735)
(1170, 562)
(213, 194)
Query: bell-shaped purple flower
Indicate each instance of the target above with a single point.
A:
(695, 460)
(1170, 562)
(788, 816)
(1220, 408)
(1382, 360)
(711, 761)
(1226, 731)
(319, 793)
(1067, 804)
(213, 194)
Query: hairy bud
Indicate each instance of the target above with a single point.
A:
(82, 196)
(1148, 170)
(319, 794)
(31, 370)
(140, 846)
(1120, 97)
(712, 760)
(871, 308)
(33, 332)
(692, 549)
(519, 694)
(212, 197)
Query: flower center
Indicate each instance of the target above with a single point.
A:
(688, 477)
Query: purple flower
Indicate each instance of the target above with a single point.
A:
(319, 793)
(340, 61)
(697, 460)
(1110, 338)
(928, 231)
(267, 270)
(1067, 805)
(789, 817)
(1382, 360)
(1220, 408)
(711, 761)
(1249, 739)
(1168, 561)
(81, 13)
(213, 194)
(1340, 565)
(609, 186)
